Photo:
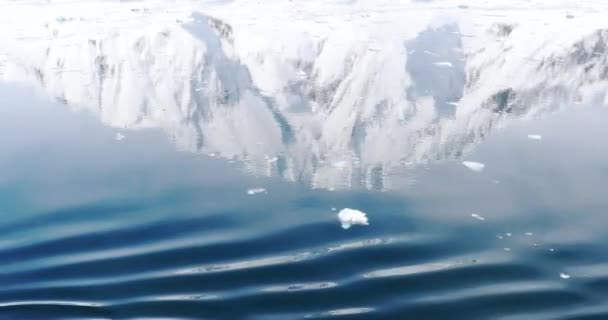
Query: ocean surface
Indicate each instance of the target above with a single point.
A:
(99, 227)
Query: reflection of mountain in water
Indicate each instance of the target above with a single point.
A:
(335, 111)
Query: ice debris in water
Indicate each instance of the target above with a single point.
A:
(529, 234)
(475, 166)
(350, 217)
(256, 191)
(499, 237)
(478, 217)
(507, 249)
(333, 209)
(535, 137)
(508, 234)
(444, 64)
(564, 275)
(119, 136)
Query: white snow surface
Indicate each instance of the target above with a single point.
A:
(350, 217)
(370, 85)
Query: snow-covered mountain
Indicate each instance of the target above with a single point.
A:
(337, 93)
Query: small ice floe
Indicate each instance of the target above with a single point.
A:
(564, 275)
(499, 237)
(508, 234)
(478, 217)
(507, 249)
(551, 249)
(475, 166)
(255, 191)
(333, 209)
(272, 160)
(452, 103)
(535, 137)
(444, 64)
(350, 217)
(430, 53)
(529, 234)
(119, 136)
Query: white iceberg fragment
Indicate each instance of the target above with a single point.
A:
(119, 136)
(535, 137)
(444, 64)
(478, 217)
(255, 191)
(350, 217)
(475, 166)
(508, 234)
(529, 234)
(564, 275)
(430, 53)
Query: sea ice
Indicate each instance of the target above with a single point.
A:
(119, 136)
(444, 64)
(350, 217)
(535, 137)
(478, 217)
(255, 191)
(475, 166)
(564, 275)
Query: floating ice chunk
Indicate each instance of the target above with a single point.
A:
(551, 249)
(453, 103)
(333, 209)
(430, 53)
(340, 164)
(475, 166)
(478, 217)
(535, 137)
(350, 217)
(119, 136)
(255, 191)
(444, 64)
(499, 237)
(564, 275)
(272, 160)
(529, 234)
(507, 249)
(508, 234)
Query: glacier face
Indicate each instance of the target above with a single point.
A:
(345, 95)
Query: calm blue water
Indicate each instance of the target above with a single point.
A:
(94, 228)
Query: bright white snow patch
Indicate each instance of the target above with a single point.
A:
(255, 191)
(535, 137)
(478, 217)
(350, 217)
(119, 136)
(564, 276)
(475, 166)
(444, 64)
